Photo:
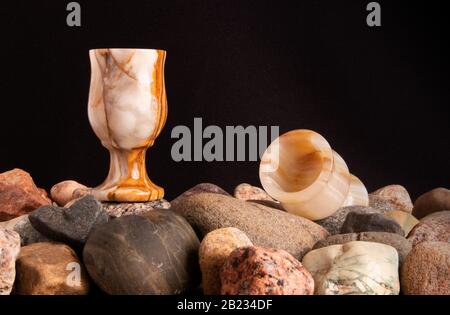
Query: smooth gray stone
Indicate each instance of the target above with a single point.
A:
(153, 253)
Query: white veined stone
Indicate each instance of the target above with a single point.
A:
(354, 268)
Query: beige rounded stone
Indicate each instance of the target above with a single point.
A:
(264, 226)
(200, 188)
(434, 200)
(397, 195)
(214, 250)
(427, 270)
(246, 191)
(357, 268)
(63, 192)
(50, 269)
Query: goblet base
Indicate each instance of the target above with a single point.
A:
(119, 193)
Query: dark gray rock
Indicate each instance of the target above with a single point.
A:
(333, 223)
(69, 225)
(22, 226)
(401, 244)
(28, 234)
(370, 222)
(435, 200)
(154, 253)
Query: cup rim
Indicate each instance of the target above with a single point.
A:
(322, 177)
(118, 48)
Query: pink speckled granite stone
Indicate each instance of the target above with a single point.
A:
(9, 250)
(255, 270)
(434, 227)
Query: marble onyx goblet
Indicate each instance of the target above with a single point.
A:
(127, 110)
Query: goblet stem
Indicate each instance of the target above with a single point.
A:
(127, 180)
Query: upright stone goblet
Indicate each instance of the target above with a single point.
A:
(127, 110)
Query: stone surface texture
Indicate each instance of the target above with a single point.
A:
(435, 200)
(63, 192)
(355, 268)
(9, 250)
(262, 271)
(246, 191)
(333, 223)
(119, 209)
(200, 188)
(215, 248)
(381, 204)
(406, 220)
(69, 225)
(427, 270)
(397, 195)
(50, 269)
(19, 195)
(268, 203)
(401, 244)
(370, 222)
(433, 227)
(28, 234)
(155, 253)
(265, 227)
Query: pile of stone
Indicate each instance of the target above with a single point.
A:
(207, 241)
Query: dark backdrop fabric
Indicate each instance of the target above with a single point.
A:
(380, 96)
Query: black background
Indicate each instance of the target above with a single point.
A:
(380, 96)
